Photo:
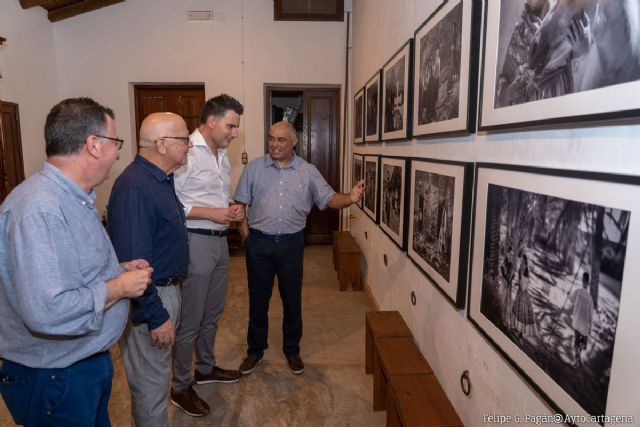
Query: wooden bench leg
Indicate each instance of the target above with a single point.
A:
(368, 349)
(379, 386)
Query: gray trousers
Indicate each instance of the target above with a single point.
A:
(203, 297)
(148, 367)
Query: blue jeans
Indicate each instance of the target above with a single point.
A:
(266, 259)
(76, 396)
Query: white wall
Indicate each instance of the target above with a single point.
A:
(101, 53)
(27, 63)
(448, 340)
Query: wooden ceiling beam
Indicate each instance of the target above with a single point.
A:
(26, 4)
(79, 8)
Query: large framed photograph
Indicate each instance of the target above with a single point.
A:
(358, 164)
(553, 278)
(358, 117)
(396, 94)
(370, 198)
(393, 215)
(372, 108)
(439, 223)
(446, 69)
(552, 63)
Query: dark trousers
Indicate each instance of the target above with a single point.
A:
(266, 259)
(77, 395)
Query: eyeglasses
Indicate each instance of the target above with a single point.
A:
(117, 141)
(184, 139)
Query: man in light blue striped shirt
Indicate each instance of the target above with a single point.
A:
(63, 295)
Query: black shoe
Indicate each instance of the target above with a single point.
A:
(295, 364)
(189, 402)
(249, 364)
(218, 375)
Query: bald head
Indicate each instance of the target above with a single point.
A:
(164, 140)
(158, 125)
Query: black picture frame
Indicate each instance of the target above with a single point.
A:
(397, 90)
(357, 172)
(446, 54)
(371, 194)
(372, 108)
(393, 199)
(358, 117)
(566, 86)
(439, 223)
(549, 247)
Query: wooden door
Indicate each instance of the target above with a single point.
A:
(317, 125)
(185, 100)
(11, 164)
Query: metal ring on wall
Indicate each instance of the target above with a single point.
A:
(465, 383)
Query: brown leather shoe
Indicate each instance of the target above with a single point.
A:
(189, 402)
(218, 375)
(249, 364)
(295, 364)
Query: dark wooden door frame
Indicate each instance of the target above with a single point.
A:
(301, 88)
(298, 87)
(7, 181)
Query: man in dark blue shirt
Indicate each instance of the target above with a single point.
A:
(146, 220)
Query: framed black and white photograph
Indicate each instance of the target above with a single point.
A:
(439, 223)
(358, 161)
(553, 276)
(445, 74)
(553, 63)
(372, 109)
(393, 185)
(358, 117)
(370, 197)
(396, 94)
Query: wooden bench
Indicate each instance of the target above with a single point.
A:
(337, 238)
(382, 324)
(349, 265)
(394, 356)
(419, 401)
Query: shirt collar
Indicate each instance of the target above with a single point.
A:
(154, 170)
(198, 141)
(295, 163)
(56, 175)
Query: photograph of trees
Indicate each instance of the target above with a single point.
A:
(391, 196)
(370, 186)
(433, 220)
(439, 69)
(358, 117)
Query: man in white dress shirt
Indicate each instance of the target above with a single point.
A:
(203, 186)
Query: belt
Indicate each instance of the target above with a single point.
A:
(208, 232)
(277, 237)
(169, 281)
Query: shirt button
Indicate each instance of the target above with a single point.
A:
(280, 182)
(53, 377)
(48, 412)
(280, 207)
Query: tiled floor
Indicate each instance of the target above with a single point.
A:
(333, 391)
